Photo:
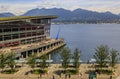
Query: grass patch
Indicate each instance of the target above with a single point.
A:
(39, 71)
(9, 71)
(72, 72)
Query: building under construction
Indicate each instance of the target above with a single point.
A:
(26, 35)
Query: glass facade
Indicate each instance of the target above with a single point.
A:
(24, 32)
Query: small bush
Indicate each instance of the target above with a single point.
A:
(38, 71)
(72, 72)
(104, 66)
(9, 71)
(108, 72)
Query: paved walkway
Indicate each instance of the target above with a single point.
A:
(21, 74)
(118, 77)
(22, 71)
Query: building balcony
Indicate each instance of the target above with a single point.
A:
(18, 32)
(27, 47)
(19, 39)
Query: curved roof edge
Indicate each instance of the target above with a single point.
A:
(17, 18)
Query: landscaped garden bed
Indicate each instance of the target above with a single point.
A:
(72, 71)
(39, 71)
(104, 71)
(9, 71)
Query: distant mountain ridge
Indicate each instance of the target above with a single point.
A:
(6, 14)
(78, 15)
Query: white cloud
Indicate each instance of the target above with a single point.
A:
(16, 8)
(95, 5)
(4, 8)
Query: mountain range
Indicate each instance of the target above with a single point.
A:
(78, 15)
(6, 14)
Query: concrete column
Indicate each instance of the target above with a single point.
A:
(19, 34)
(40, 49)
(49, 57)
(26, 54)
(33, 52)
(22, 56)
(37, 51)
(3, 37)
(11, 34)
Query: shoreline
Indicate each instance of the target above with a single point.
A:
(59, 23)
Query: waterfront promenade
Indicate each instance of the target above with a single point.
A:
(52, 69)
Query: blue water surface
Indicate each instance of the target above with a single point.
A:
(86, 37)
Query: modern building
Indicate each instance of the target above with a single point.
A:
(25, 35)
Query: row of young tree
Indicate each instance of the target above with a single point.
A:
(32, 61)
(9, 61)
(67, 56)
(103, 55)
(106, 57)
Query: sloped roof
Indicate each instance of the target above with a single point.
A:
(18, 18)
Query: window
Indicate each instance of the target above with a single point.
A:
(28, 34)
(15, 36)
(0, 30)
(33, 33)
(1, 38)
(14, 29)
(44, 21)
(22, 35)
(34, 28)
(7, 37)
(22, 29)
(28, 28)
(7, 30)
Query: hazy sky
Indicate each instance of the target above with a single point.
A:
(21, 6)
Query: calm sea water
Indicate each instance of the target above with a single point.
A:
(86, 37)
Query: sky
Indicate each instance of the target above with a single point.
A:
(19, 7)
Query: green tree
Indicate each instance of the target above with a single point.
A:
(32, 61)
(101, 55)
(113, 57)
(76, 58)
(66, 55)
(11, 61)
(2, 61)
(43, 63)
